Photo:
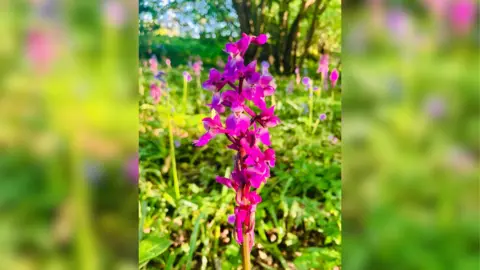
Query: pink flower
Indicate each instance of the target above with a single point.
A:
(323, 65)
(215, 81)
(307, 82)
(168, 62)
(153, 64)
(245, 129)
(155, 92)
(463, 15)
(187, 76)
(334, 77)
(197, 67)
(40, 49)
(213, 126)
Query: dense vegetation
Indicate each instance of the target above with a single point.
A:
(298, 223)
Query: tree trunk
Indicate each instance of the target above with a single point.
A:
(316, 14)
(282, 30)
(292, 36)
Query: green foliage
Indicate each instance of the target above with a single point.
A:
(298, 223)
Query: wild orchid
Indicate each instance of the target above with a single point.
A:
(297, 75)
(153, 64)
(246, 129)
(323, 66)
(197, 68)
(265, 66)
(309, 86)
(334, 77)
(186, 79)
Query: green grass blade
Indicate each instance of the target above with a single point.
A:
(193, 240)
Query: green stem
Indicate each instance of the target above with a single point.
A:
(245, 251)
(310, 105)
(172, 154)
(185, 93)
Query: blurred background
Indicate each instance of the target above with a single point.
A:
(410, 134)
(69, 112)
(68, 116)
(298, 223)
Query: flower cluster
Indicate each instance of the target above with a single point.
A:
(245, 128)
(323, 66)
(197, 67)
(159, 84)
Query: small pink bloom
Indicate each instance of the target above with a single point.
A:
(334, 77)
(187, 76)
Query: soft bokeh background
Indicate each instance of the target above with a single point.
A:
(298, 223)
(411, 134)
(68, 117)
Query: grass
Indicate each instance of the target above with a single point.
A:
(298, 221)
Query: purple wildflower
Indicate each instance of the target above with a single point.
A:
(435, 107)
(153, 64)
(155, 92)
(197, 67)
(334, 77)
(297, 75)
(463, 15)
(187, 76)
(323, 66)
(177, 143)
(322, 117)
(244, 128)
(265, 66)
(333, 139)
(159, 76)
(307, 82)
(132, 169)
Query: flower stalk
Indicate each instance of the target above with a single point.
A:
(245, 129)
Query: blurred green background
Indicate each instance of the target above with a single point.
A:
(68, 78)
(298, 223)
(411, 135)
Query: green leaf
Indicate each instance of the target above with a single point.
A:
(152, 247)
(193, 240)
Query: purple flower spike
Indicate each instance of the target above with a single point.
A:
(246, 130)
(215, 81)
(155, 92)
(197, 68)
(323, 66)
(334, 77)
(153, 64)
(187, 76)
(307, 82)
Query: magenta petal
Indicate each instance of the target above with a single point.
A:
(254, 198)
(243, 123)
(230, 122)
(264, 80)
(261, 39)
(264, 136)
(306, 81)
(253, 78)
(239, 234)
(231, 219)
(231, 48)
(224, 181)
(270, 157)
(204, 139)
